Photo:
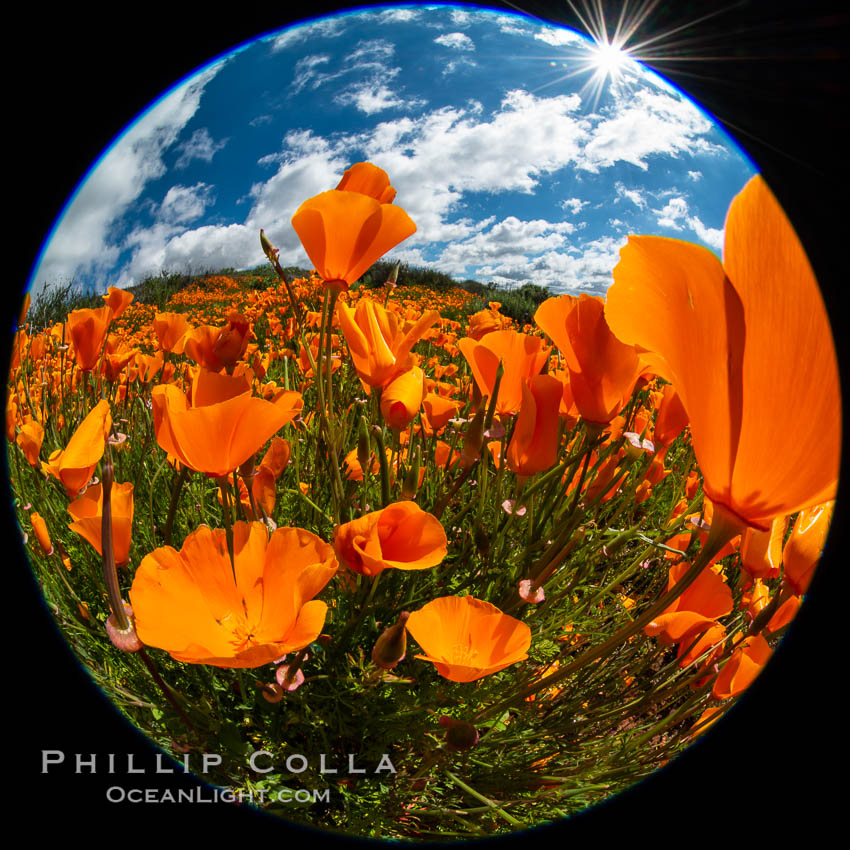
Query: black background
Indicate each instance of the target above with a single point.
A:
(778, 80)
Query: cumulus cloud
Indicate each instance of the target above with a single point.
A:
(327, 28)
(695, 175)
(574, 205)
(199, 146)
(557, 36)
(673, 214)
(633, 195)
(456, 41)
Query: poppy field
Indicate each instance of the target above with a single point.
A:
(440, 574)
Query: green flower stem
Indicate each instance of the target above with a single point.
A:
(176, 489)
(723, 529)
(380, 450)
(224, 484)
(481, 798)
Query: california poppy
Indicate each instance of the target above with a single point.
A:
(87, 330)
(368, 179)
(271, 466)
(221, 425)
(534, 445)
(30, 439)
(721, 334)
(344, 233)
(522, 357)
(744, 665)
(87, 512)
(804, 546)
(39, 526)
(188, 604)
(401, 536)
(466, 638)
(118, 300)
(603, 371)
(402, 398)
(75, 464)
(170, 329)
(379, 344)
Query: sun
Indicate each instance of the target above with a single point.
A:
(609, 59)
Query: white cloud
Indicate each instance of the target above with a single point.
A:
(82, 244)
(454, 64)
(574, 205)
(396, 16)
(695, 175)
(673, 214)
(511, 26)
(456, 41)
(327, 28)
(712, 237)
(557, 36)
(200, 146)
(369, 98)
(183, 204)
(633, 195)
(460, 17)
(260, 120)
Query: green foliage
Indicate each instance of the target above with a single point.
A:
(53, 303)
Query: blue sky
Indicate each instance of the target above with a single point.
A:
(515, 162)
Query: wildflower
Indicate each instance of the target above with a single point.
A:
(717, 332)
(522, 356)
(118, 300)
(805, 544)
(534, 444)
(223, 425)
(368, 179)
(466, 638)
(87, 329)
(402, 398)
(75, 465)
(379, 345)
(39, 527)
(345, 232)
(603, 370)
(271, 466)
(744, 665)
(170, 330)
(87, 512)
(401, 536)
(188, 604)
(30, 439)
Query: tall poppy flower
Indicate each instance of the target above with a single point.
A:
(722, 334)
(221, 425)
(379, 344)
(804, 546)
(87, 329)
(87, 512)
(401, 536)
(345, 232)
(368, 179)
(742, 668)
(188, 604)
(522, 357)
(603, 371)
(271, 466)
(74, 465)
(170, 330)
(534, 444)
(466, 638)
(30, 439)
(118, 300)
(402, 398)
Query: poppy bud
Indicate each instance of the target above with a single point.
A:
(268, 249)
(272, 692)
(474, 438)
(39, 526)
(391, 646)
(393, 276)
(460, 735)
(411, 480)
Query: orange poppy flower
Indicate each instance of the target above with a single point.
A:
(603, 371)
(170, 329)
(272, 465)
(75, 464)
(484, 322)
(345, 232)
(402, 398)
(672, 418)
(522, 356)
(87, 330)
(188, 604)
(720, 334)
(804, 546)
(379, 345)
(232, 339)
(224, 424)
(534, 444)
(30, 439)
(437, 410)
(466, 638)
(368, 179)
(401, 536)
(87, 513)
(708, 598)
(746, 662)
(761, 551)
(118, 300)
